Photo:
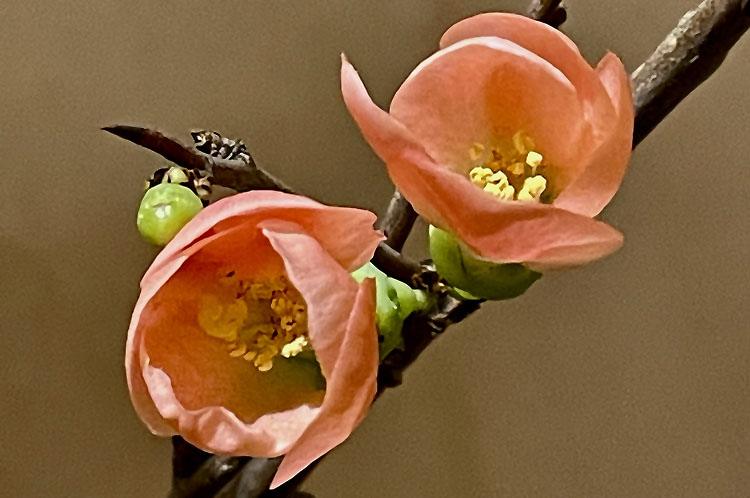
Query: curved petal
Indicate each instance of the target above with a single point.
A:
(487, 89)
(346, 233)
(603, 174)
(350, 391)
(328, 289)
(218, 403)
(216, 429)
(139, 396)
(151, 283)
(341, 325)
(537, 234)
(550, 44)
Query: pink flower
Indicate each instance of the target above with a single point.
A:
(234, 313)
(507, 138)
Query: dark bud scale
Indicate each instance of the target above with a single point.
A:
(194, 179)
(214, 145)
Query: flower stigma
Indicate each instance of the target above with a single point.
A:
(510, 171)
(257, 319)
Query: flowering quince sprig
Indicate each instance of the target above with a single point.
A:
(260, 326)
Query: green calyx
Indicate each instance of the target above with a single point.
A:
(473, 277)
(395, 301)
(164, 210)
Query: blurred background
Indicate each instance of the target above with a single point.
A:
(629, 377)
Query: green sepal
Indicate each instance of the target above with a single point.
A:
(395, 301)
(473, 277)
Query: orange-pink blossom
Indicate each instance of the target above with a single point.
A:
(250, 337)
(509, 105)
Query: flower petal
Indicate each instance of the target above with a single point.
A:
(601, 177)
(550, 44)
(328, 290)
(538, 234)
(218, 403)
(346, 233)
(487, 89)
(349, 393)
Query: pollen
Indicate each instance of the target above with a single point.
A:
(510, 170)
(257, 320)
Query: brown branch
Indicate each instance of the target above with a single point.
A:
(243, 176)
(551, 12)
(685, 59)
(689, 55)
(209, 478)
(398, 221)
(235, 174)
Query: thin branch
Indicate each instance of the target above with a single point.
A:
(243, 176)
(253, 479)
(398, 221)
(209, 478)
(551, 12)
(685, 59)
(236, 174)
(395, 264)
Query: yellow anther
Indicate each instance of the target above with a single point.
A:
(498, 178)
(517, 168)
(238, 351)
(265, 365)
(476, 151)
(221, 320)
(522, 143)
(532, 189)
(257, 319)
(534, 158)
(479, 175)
(294, 348)
(503, 192)
(509, 170)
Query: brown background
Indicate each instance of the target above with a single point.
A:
(628, 378)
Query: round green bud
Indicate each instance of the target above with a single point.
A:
(164, 210)
(473, 277)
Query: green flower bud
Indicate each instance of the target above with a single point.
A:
(164, 210)
(473, 277)
(395, 301)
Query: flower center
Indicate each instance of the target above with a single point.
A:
(258, 319)
(510, 171)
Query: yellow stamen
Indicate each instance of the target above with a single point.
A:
(257, 319)
(479, 175)
(513, 171)
(501, 192)
(294, 348)
(533, 188)
(476, 151)
(534, 159)
(516, 169)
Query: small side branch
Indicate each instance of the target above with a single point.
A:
(685, 59)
